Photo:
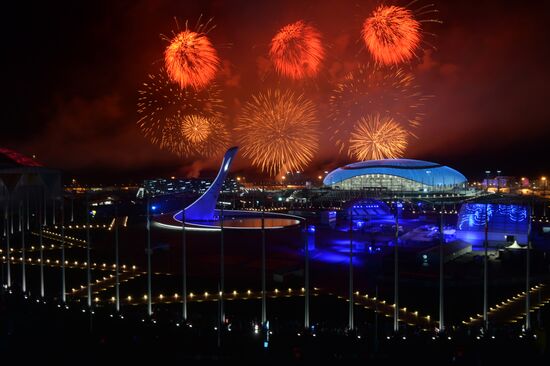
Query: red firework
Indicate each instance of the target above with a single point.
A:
(391, 34)
(191, 60)
(297, 51)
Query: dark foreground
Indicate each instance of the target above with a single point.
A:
(48, 333)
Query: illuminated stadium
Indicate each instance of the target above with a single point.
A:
(396, 175)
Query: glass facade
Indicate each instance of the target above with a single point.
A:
(391, 183)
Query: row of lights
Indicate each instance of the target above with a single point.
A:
(256, 328)
(83, 265)
(504, 305)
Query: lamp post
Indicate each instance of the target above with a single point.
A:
(441, 274)
(149, 295)
(221, 315)
(306, 278)
(63, 278)
(117, 273)
(487, 172)
(485, 269)
(351, 318)
(498, 180)
(184, 265)
(264, 310)
(41, 249)
(528, 274)
(88, 256)
(396, 273)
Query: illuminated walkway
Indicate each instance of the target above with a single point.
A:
(513, 309)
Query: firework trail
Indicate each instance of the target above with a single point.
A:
(376, 137)
(367, 90)
(163, 106)
(278, 130)
(190, 59)
(297, 51)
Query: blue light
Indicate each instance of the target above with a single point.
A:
(499, 217)
(311, 228)
(266, 344)
(153, 207)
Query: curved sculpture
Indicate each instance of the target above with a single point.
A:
(203, 208)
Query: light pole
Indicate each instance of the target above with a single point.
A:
(117, 273)
(63, 279)
(485, 269)
(396, 273)
(441, 273)
(88, 256)
(41, 249)
(528, 274)
(351, 321)
(184, 266)
(306, 278)
(149, 300)
(264, 300)
(221, 315)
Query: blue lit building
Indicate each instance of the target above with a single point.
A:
(396, 175)
(506, 223)
(369, 209)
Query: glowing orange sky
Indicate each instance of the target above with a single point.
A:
(74, 70)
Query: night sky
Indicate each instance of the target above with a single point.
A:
(72, 71)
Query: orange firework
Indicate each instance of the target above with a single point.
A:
(196, 128)
(163, 106)
(278, 130)
(391, 92)
(204, 136)
(191, 59)
(391, 34)
(297, 51)
(376, 137)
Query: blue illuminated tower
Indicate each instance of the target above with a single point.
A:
(203, 208)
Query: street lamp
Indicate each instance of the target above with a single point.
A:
(498, 181)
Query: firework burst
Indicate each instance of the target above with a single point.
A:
(394, 34)
(367, 90)
(297, 51)
(391, 34)
(278, 130)
(190, 59)
(164, 107)
(376, 137)
(204, 136)
(196, 129)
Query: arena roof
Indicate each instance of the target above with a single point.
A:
(13, 159)
(425, 172)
